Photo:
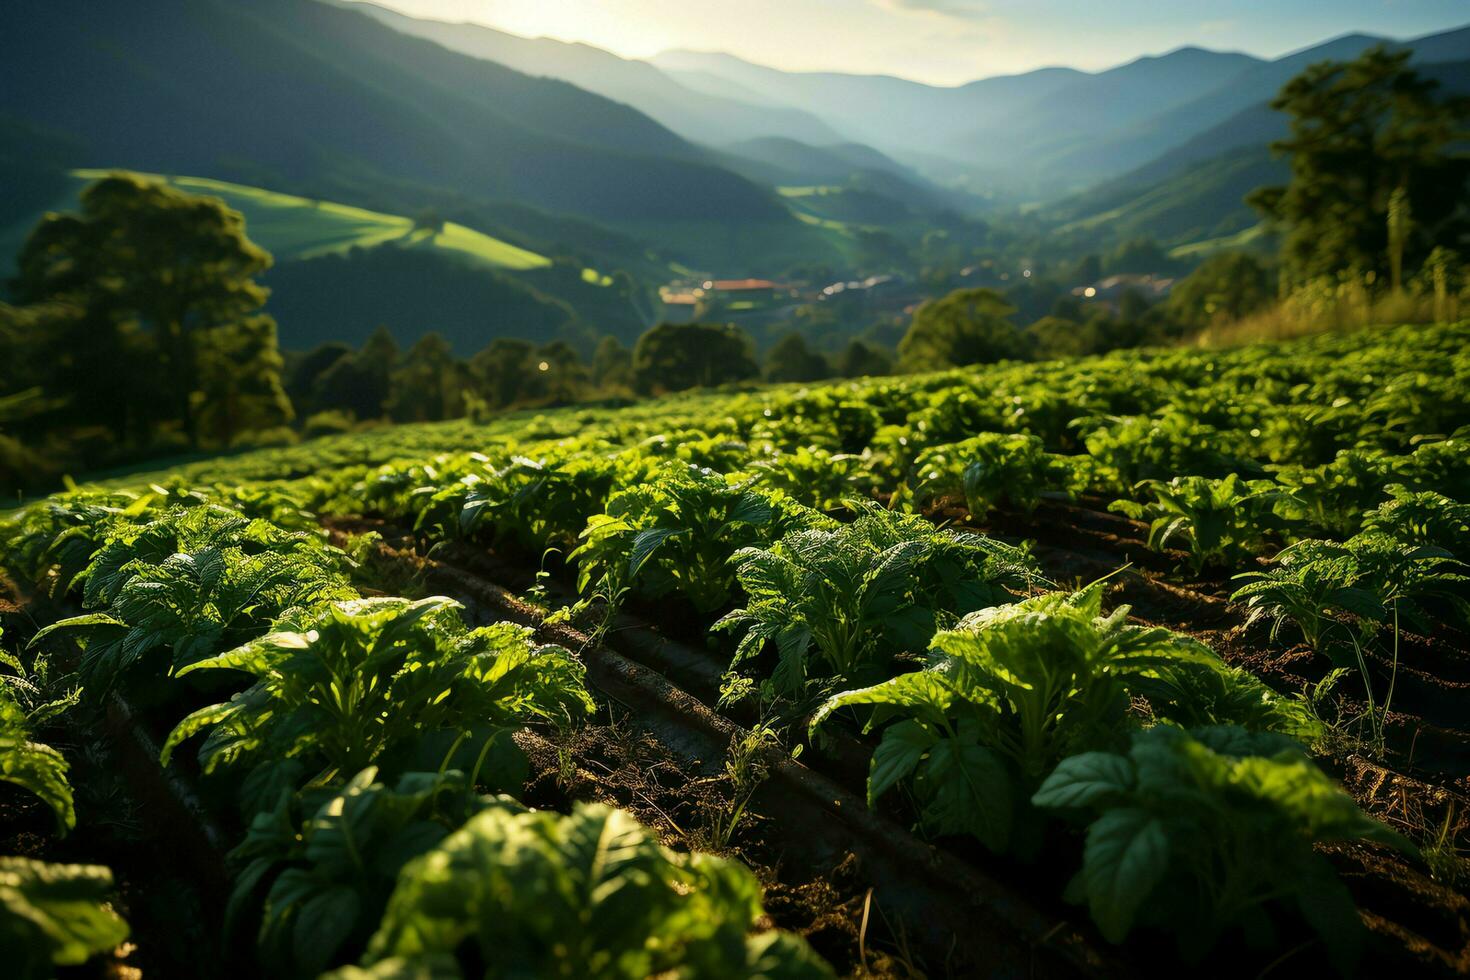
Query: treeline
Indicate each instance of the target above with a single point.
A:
(335, 387)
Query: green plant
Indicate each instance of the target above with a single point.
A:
(32, 766)
(677, 534)
(1130, 450)
(1014, 690)
(812, 475)
(1422, 518)
(391, 682)
(327, 860)
(54, 915)
(53, 541)
(533, 502)
(593, 894)
(1219, 522)
(192, 581)
(840, 603)
(1337, 594)
(746, 769)
(1334, 495)
(994, 469)
(1195, 834)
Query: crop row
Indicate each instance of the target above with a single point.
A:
(371, 743)
(1000, 708)
(1015, 694)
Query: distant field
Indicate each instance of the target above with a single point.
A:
(1241, 240)
(292, 227)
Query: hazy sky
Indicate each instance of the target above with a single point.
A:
(946, 41)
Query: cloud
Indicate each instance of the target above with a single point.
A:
(945, 8)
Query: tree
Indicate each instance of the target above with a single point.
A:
(1360, 132)
(428, 385)
(1055, 336)
(612, 365)
(790, 359)
(560, 376)
(361, 382)
(861, 360)
(969, 326)
(1226, 287)
(91, 371)
(142, 256)
(240, 386)
(503, 371)
(304, 371)
(673, 357)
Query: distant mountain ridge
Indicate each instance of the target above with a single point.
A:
(1051, 130)
(694, 114)
(1196, 190)
(326, 102)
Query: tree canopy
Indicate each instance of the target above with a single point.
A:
(163, 287)
(1365, 134)
(969, 326)
(673, 357)
(790, 359)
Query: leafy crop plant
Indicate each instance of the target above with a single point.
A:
(677, 534)
(403, 685)
(330, 859)
(593, 894)
(54, 915)
(1336, 594)
(995, 469)
(1200, 833)
(1218, 522)
(1014, 690)
(191, 582)
(841, 603)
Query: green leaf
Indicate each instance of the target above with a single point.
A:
(89, 619)
(903, 745)
(323, 924)
(1126, 855)
(1086, 780)
(34, 767)
(645, 544)
(54, 914)
(588, 894)
(967, 790)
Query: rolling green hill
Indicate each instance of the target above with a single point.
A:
(1204, 202)
(327, 103)
(292, 227)
(340, 271)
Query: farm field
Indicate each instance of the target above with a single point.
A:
(293, 227)
(1094, 667)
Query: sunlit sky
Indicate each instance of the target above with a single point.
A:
(945, 41)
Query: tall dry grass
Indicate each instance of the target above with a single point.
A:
(1350, 302)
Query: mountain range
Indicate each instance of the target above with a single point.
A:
(685, 163)
(1046, 131)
